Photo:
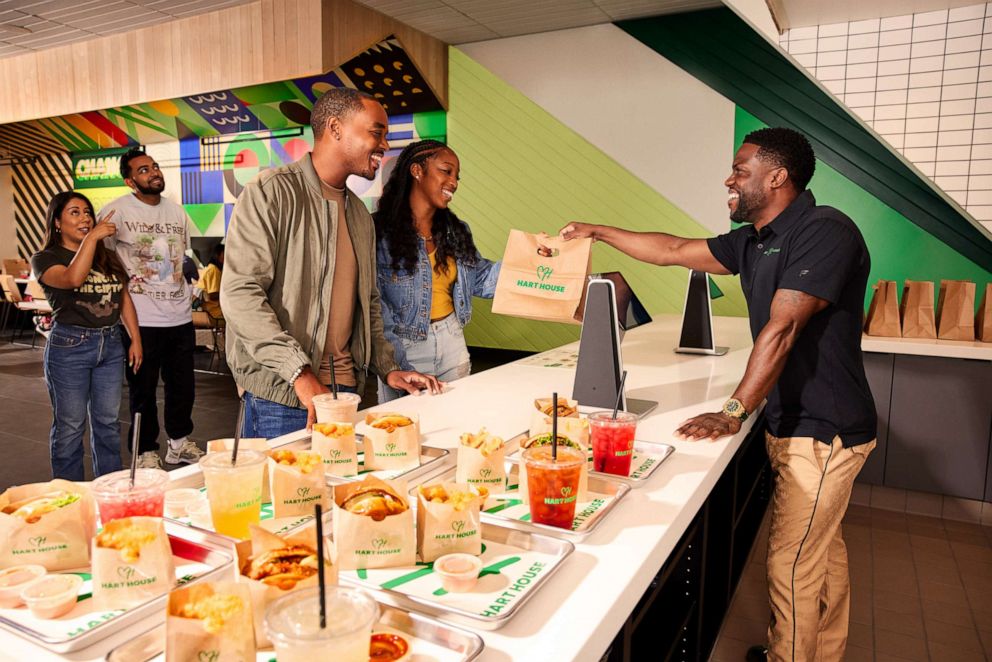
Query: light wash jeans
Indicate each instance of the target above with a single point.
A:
(84, 371)
(264, 418)
(442, 354)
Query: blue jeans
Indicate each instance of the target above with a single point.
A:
(442, 354)
(264, 418)
(84, 369)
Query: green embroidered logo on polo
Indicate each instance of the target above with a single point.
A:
(772, 251)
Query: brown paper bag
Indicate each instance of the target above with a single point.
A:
(58, 539)
(524, 493)
(297, 480)
(209, 622)
(132, 562)
(481, 461)
(362, 542)
(956, 310)
(336, 444)
(396, 448)
(263, 592)
(916, 310)
(576, 429)
(983, 318)
(448, 520)
(253, 444)
(883, 311)
(543, 277)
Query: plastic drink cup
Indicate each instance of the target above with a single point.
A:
(553, 485)
(612, 441)
(293, 625)
(116, 498)
(342, 410)
(234, 490)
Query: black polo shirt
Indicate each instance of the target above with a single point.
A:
(822, 391)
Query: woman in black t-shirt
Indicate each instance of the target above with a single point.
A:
(84, 358)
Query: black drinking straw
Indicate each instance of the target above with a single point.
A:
(554, 427)
(237, 432)
(320, 564)
(334, 381)
(135, 433)
(623, 378)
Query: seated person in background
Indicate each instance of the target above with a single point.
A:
(210, 282)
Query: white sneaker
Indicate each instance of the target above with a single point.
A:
(149, 460)
(187, 452)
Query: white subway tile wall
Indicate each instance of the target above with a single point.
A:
(921, 81)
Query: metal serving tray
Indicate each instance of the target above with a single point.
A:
(648, 456)
(531, 559)
(199, 555)
(507, 510)
(428, 638)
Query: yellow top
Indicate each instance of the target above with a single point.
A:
(442, 285)
(210, 284)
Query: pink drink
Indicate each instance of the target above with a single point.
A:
(612, 441)
(116, 498)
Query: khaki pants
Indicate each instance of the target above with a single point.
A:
(808, 583)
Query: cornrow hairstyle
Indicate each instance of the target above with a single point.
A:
(126, 159)
(394, 219)
(787, 149)
(340, 102)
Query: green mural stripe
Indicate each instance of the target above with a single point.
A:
(131, 120)
(723, 51)
(524, 169)
(203, 215)
(900, 250)
(65, 136)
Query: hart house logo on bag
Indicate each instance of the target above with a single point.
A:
(126, 574)
(544, 272)
(304, 496)
(391, 451)
(486, 472)
(38, 546)
(208, 656)
(378, 548)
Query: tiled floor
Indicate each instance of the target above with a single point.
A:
(921, 589)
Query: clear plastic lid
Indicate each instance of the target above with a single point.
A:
(118, 483)
(296, 617)
(222, 459)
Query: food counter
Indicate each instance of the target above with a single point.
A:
(588, 600)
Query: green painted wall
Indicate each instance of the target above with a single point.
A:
(899, 249)
(523, 169)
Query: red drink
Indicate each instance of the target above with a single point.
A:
(612, 441)
(116, 497)
(553, 485)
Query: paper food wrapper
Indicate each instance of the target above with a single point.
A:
(229, 639)
(361, 542)
(983, 318)
(253, 444)
(294, 492)
(263, 594)
(397, 450)
(575, 428)
(120, 580)
(340, 452)
(956, 310)
(883, 311)
(58, 540)
(443, 528)
(916, 310)
(475, 468)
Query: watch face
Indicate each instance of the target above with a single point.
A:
(732, 407)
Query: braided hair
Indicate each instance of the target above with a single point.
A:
(394, 219)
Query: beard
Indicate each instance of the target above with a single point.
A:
(748, 203)
(150, 188)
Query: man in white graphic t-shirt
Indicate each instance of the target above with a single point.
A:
(152, 237)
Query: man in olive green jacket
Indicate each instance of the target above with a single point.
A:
(279, 272)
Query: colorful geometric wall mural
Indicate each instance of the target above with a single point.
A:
(210, 145)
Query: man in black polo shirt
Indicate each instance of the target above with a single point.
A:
(803, 270)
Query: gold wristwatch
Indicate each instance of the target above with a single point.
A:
(734, 408)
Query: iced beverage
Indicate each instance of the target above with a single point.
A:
(234, 490)
(612, 441)
(293, 625)
(553, 485)
(342, 410)
(116, 497)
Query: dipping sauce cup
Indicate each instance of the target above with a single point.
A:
(234, 490)
(15, 579)
(116, 498)
(342, 410)
(612, 441)
(553, 485)
(293, 624)
(53, 595)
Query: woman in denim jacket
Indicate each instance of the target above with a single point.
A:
(428, 266)
(86, 285)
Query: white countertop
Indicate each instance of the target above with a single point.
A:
(585, 603)
(952, 349)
